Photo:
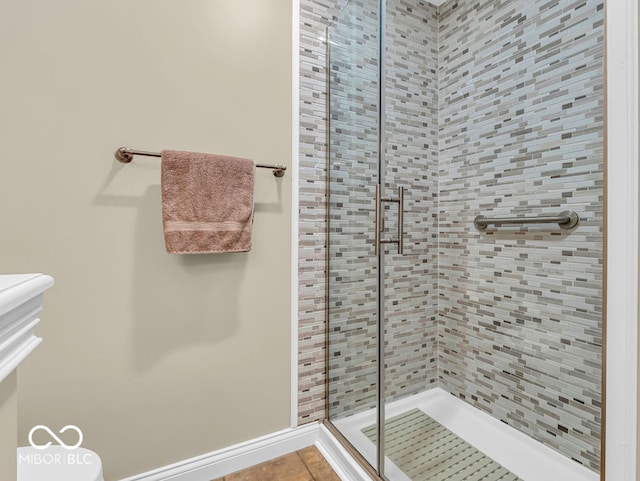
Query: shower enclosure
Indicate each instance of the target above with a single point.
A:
(458, 352)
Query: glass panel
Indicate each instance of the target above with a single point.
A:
(495, 109)
(410, 160)
(489, 108)
(353, 174)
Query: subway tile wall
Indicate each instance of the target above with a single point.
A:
(315, 16)
(353, 171)
(493, 108)
(521, 111)
(411, 141)
(411, 161)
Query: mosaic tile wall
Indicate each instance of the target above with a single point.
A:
(411, 161)
(353, 171)
(521, 132)
(314, 18)
(518, 129)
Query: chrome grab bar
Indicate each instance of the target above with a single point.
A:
(379, 220)
(566, 220)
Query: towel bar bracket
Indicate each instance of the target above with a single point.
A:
(122, 155)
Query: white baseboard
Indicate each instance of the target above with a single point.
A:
(244, 455)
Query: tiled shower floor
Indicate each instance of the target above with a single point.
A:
(427, 451)
(519, 454)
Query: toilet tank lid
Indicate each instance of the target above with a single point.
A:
(56, 462)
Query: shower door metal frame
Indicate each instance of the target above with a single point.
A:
(382, 145)
(379, 252)
(373, 471)
(376, 472)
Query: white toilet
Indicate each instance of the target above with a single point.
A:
(55, 463)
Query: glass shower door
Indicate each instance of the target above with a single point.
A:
(445, 114)
(353, 269)
(366, 193)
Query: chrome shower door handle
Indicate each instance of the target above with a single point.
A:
(378, 225)
(400, 220)
(379, 220)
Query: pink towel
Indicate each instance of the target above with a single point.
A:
(207, 202)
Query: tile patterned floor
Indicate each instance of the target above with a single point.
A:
(427, 451)
(304, 465)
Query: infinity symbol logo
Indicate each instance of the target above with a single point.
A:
(53, 435)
